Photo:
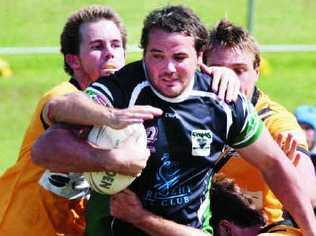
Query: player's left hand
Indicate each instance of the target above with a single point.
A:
(225, 82)
(289, 144)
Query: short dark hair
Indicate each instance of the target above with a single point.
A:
(175, 19)
(229, 203)
(227, 35)
(70, 38)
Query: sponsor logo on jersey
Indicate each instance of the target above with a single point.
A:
(201, 142)
(98, 97)
(152, 136)
(171, 115)
(170, 188)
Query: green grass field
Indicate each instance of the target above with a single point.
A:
(291, 81)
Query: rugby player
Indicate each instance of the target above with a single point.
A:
(233, 47)
(38, 202)
(186, 141)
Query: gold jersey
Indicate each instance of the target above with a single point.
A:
(26, 207)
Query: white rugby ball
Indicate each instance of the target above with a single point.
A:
(110, 182)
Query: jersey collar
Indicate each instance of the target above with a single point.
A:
(75, 83)
(255, 96)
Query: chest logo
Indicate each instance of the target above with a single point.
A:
(201, 142)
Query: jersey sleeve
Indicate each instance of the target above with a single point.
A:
(246, 126)
(280, 121)
(115, 90)
(106, 91)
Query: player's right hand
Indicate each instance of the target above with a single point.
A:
(121, 118)
(130, 159)
(126, 206)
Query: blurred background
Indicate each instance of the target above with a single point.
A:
(30, 62)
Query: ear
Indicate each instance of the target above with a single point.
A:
(73, 61)
(225, 228)
(200, 57)
(258, 72)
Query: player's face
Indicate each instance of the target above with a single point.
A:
(239, 61)
(171, 61)
(101, 49)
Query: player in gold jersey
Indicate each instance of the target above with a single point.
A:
(93, 44)
(233, 47)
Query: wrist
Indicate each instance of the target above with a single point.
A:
(107, 116)
(144, 219)
(97, 156)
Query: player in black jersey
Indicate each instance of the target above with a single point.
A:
(186, 141)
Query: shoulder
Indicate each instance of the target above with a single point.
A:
(278, 119)
(59, 90)
(118, 88)
(129, 74)
(266, 104)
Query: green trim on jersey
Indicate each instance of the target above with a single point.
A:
(207, 214)
(97, 215)
(251, 132)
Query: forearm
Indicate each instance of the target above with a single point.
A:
(76, 108)
(292, 195)
(307, 171)
(157, 226)
(283, 179)
(60, 150)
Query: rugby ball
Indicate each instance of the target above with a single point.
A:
(110, 182)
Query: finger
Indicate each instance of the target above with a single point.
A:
(297, 159)
(287, 143)
(215, 82)
(292, 150)
(206, 69)
(279, 140)
(290, 143)
(146, 110)
(230, 92)
(133, 116)
(223, 86)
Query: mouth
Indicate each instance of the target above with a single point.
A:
(109, 67)
(170, 81)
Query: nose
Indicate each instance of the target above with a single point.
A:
(108, 52)
(170, 67)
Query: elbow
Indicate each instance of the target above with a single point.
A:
(51, 110)
(57, 106)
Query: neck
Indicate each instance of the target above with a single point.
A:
(83, 81)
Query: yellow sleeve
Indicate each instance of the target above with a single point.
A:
(278, 120)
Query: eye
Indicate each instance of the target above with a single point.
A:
(97, 47)
(239, 71)
(116, 44)
(180, 57)
(157, 56)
